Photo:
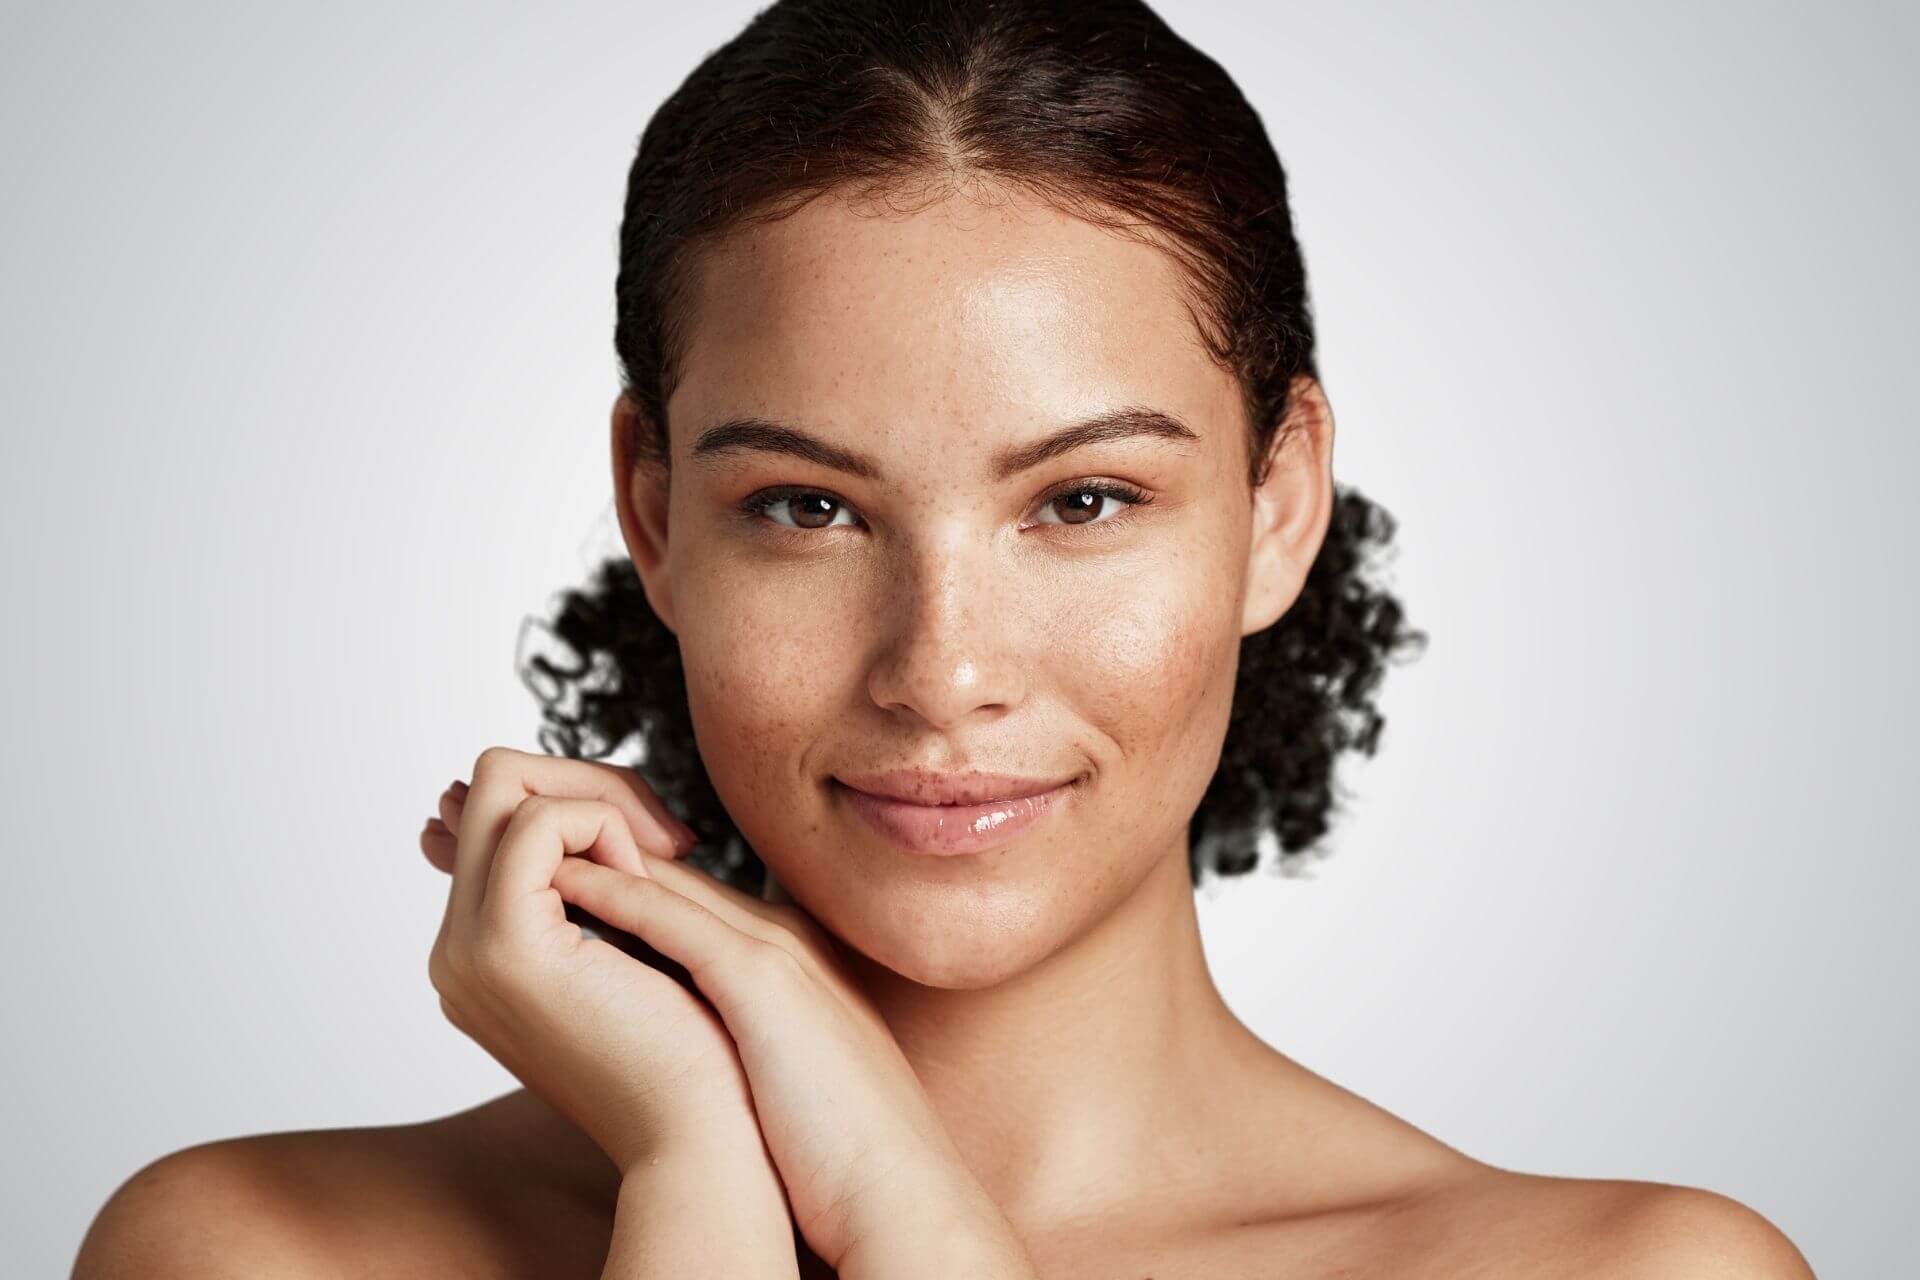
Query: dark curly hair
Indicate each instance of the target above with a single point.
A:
(1099, 108)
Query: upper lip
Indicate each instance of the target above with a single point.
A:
(924, 786)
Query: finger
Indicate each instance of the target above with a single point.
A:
(788, 927)
(617, 785)
(712, 951)
(736, 906)
(450, 806)
(539, 836)
(503, 778)
(438, 844)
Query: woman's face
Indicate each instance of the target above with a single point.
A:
(885, 580)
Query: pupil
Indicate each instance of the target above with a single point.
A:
(817, 511)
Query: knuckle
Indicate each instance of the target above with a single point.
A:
(536, 808)
(452, 1014)
(492, 763)
(774, 964)
(445, 969)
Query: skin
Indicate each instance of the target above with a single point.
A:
(950, 628)
(1051, 995)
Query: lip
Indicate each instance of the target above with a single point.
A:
(947, 814)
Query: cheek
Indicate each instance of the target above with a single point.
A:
(1138, 661)
(760, 652)
(1150, 669)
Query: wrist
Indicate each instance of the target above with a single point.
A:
(701, 1211)
(942, 1224)
(740, 1160)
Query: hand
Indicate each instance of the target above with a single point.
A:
(639, 1062)
(860, 1150)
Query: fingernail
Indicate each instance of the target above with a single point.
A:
(459, 789)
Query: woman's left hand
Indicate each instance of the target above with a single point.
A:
(874, 1182)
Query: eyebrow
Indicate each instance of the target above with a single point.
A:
(765, 436)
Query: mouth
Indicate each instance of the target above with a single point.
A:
(948, 814)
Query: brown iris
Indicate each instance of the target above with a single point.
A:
(1078, 506)
(813, 510)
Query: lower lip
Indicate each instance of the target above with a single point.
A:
(947, 829)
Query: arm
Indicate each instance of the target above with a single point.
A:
(691, 1214)
(938, 1225)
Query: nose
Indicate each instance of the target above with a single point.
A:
(952, 641)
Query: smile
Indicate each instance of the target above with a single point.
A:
(974, 823)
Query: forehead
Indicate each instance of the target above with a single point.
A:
(996, 317)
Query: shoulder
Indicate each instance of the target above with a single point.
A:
(1658, 1231)
(1587, 1228)
(469, 1194)
(215, 1210)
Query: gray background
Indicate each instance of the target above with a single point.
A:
(307, 361)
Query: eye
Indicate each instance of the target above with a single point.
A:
(1082, 503)
(801, 508)
(1089, 502)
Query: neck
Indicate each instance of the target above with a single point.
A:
(1061, 1087)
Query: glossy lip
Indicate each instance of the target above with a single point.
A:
(946, 814)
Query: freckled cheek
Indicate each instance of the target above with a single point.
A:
(764, 654)
(1148, 665)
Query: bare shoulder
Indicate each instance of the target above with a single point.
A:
(1581, 1228)
(1659, 1230)
(472, 1194)
(199, 1212)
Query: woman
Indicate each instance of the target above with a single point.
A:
(988, 587)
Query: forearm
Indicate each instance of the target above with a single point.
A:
(966, 1254)
(950, 1230)
(697, 1216)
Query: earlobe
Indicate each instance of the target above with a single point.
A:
(640, 498)
(1292, 507)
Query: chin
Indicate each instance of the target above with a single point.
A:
(968, 964)
(953, 937)
(956, 923)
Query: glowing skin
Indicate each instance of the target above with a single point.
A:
(937, 615)
(944, 612)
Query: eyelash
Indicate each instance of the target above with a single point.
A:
(756, 504)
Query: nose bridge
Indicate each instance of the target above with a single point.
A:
(952, 643)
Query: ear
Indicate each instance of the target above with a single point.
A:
(640, 496)
(1291, 507)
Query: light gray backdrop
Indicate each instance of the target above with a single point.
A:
(306, 368)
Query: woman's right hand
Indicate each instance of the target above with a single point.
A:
(639, 1062)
